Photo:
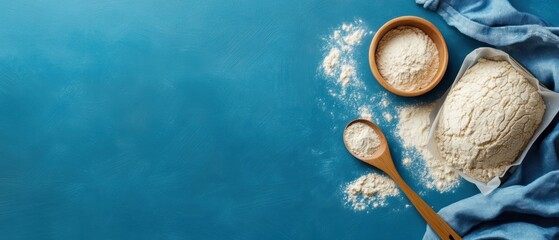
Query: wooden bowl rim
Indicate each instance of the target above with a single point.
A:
(432, 31)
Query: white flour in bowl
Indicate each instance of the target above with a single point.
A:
(487, 119)
(407, 58)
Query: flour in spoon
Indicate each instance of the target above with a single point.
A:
(371, 189)
(361, 139)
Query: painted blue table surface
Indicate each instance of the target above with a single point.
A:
(191, 120)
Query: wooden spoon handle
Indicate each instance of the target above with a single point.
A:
(441, 228)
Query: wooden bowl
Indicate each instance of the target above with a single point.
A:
(426, 27)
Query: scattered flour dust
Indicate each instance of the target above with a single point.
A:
(384, 102)
(413, 130)
(387, 116)
(339, 63)
(406, 161)
(380, 103)
(370, 190)
(365, 113)
(339, 66)
(331, 62)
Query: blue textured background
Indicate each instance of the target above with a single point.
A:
(190, 120)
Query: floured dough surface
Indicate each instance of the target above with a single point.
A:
(487, 119)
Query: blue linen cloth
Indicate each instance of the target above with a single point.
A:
(526, 206)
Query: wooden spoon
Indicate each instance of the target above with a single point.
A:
(382, 160)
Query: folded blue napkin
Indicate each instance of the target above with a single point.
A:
(526, 206)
